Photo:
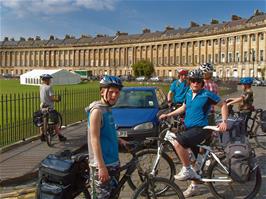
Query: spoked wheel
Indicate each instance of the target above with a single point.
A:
(232, 189)
(50, 133)
(152, 189)
(260, 137)
(146, 157)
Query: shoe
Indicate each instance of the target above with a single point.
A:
(62, 138)
(192, 190)
(187, 174)
(42, 138)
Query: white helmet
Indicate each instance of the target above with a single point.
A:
(206, 68)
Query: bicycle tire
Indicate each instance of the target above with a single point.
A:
(260, 137)
(142, 155)
(48, 138)
(234, 190)
(173, 191)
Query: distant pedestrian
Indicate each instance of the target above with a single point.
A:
(48, 98)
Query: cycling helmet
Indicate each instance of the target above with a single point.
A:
(110, 81)
(246, 80)
(182, 71)
(46, 76)
(206, 68)
(195, 74)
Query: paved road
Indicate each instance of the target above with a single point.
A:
(260, 97)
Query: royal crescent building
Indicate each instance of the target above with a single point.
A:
(236, 48)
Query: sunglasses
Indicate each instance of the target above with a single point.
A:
(196, 80)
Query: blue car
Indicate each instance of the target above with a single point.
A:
(136, 110)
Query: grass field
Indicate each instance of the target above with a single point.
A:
(11, 86)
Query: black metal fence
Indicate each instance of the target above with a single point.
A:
(17, 112)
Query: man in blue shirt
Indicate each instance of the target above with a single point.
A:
(103, 140)
(196, 106)
(178, 89)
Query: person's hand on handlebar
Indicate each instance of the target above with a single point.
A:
(222, 126)
(163, 116)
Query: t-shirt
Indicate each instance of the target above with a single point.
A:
(247, 102)
(197, 108)
(45, 92)
(179, 89)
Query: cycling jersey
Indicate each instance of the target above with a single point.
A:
(179, 89)
(197, 108)
(108, 136)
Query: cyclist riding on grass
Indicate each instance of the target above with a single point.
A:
(47, 100)
(196, 106)
(103, 140)
(245, 101)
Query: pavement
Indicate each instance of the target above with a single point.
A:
(19, 165)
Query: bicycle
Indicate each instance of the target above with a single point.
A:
(149, 187)
(48, 125)
(254, 129)
(214, 171)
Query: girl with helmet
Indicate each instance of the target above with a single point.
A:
(103, 140)
(196, 107)
(245, 100)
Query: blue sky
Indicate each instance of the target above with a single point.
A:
(29, 18)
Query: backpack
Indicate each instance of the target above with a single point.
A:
(37, 118)
(263, 120)
(240, 157)
(61, 177)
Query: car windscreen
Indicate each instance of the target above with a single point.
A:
(135, 99)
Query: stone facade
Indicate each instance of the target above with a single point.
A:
(236, 48)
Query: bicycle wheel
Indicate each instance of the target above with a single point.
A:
(260, 137)
(146, 157)
(232, 189)
(49, 136)
(152, 189)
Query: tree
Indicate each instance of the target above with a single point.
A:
(143, 68)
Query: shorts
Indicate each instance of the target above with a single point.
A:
(192, 137)
(103, 190)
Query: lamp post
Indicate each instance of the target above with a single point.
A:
(252, 52)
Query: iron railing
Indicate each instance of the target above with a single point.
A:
(16, 112)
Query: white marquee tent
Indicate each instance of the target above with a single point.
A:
(60, 77)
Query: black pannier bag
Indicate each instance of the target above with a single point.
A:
(38, 118)
(240, 157)
(263, 120)
(60, 176)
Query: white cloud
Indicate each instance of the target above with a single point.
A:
(47, 7)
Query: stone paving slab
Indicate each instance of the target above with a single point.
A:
(22, 162)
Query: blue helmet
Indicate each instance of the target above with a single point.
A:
(246, 80)
(110, 81)
(46, 76)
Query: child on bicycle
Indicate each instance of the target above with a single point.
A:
(245, 100)
(103, 140)
(196, 106)
(47, 99)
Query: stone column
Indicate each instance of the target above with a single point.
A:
(241, 49)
